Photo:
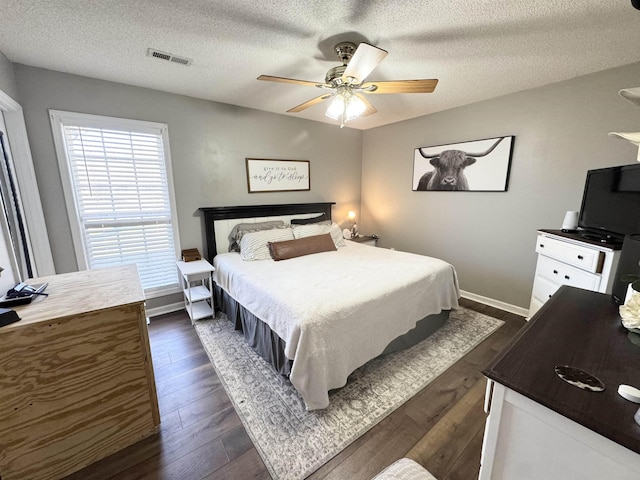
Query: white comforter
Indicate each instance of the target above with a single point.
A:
(338, 310)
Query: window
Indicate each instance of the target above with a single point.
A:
(116, 175)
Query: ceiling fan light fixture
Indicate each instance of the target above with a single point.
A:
(346, 107)
(355, 107)
(336, 107)
(346, 82)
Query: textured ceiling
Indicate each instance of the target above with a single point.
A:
(478, 49)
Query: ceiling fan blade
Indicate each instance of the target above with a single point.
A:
(309, 103)
(402, 86)
(364, 60)
(370, 109)
(269, 78)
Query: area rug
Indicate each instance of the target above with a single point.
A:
(294, 443)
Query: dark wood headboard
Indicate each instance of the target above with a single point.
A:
(211, 214)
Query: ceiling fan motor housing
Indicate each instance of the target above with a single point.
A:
(345, 51)
(334, 76)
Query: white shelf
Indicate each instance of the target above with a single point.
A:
(195, 294)
(200, 310)
(195, 267)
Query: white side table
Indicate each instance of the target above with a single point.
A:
(197, 286)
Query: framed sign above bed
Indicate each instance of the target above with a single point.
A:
(264, 175)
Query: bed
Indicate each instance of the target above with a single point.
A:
(316, 318)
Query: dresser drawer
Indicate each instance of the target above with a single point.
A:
(564, 274)
(543, 289)
(588, 259)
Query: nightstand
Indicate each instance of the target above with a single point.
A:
(365, 240)
(197, 287)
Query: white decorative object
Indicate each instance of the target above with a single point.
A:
(630, 291)
(630, 312)
(346, 233)
(633, 95)
(354, 227)
(629, 393)
(570, 221)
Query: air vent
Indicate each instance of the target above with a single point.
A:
(152, 52)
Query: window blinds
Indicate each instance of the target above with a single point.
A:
(121, 192)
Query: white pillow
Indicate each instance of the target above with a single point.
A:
(302, 231)
(254, 245)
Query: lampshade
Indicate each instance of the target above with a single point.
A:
(336, 107)
(345, 106)
(351, 214)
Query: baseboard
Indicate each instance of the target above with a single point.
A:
(507, 307)
(172, 307)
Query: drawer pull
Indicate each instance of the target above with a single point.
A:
(566, 277)
(580, 257)
(542, 245)
(555, 272)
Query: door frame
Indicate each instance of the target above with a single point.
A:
(42, 262)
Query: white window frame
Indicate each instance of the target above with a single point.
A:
(60, 118)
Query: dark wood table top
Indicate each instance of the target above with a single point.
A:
(581, 329)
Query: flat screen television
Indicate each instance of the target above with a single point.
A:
(611, 204)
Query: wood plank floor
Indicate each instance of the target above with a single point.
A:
(201, 436)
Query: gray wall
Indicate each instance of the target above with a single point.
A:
(209, 143)
(561, 132)
(7, 78)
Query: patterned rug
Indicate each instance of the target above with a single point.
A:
(294, 443)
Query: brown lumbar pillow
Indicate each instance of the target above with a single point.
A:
(301, 246)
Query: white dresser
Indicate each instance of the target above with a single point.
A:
(542, 428)
(566, 259)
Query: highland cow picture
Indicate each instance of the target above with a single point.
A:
(477, 166)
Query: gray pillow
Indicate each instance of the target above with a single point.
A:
(241, 228)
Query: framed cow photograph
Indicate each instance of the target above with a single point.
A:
(475, 166)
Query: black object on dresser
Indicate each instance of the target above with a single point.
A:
(8, 316)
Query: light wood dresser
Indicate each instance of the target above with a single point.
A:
(76, 379)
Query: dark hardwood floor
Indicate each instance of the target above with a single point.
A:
(201, 436)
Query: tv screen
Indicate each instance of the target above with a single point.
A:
(611, 203)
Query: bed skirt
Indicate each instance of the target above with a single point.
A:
(270, 346)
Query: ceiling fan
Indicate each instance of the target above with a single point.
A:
(346, 85)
